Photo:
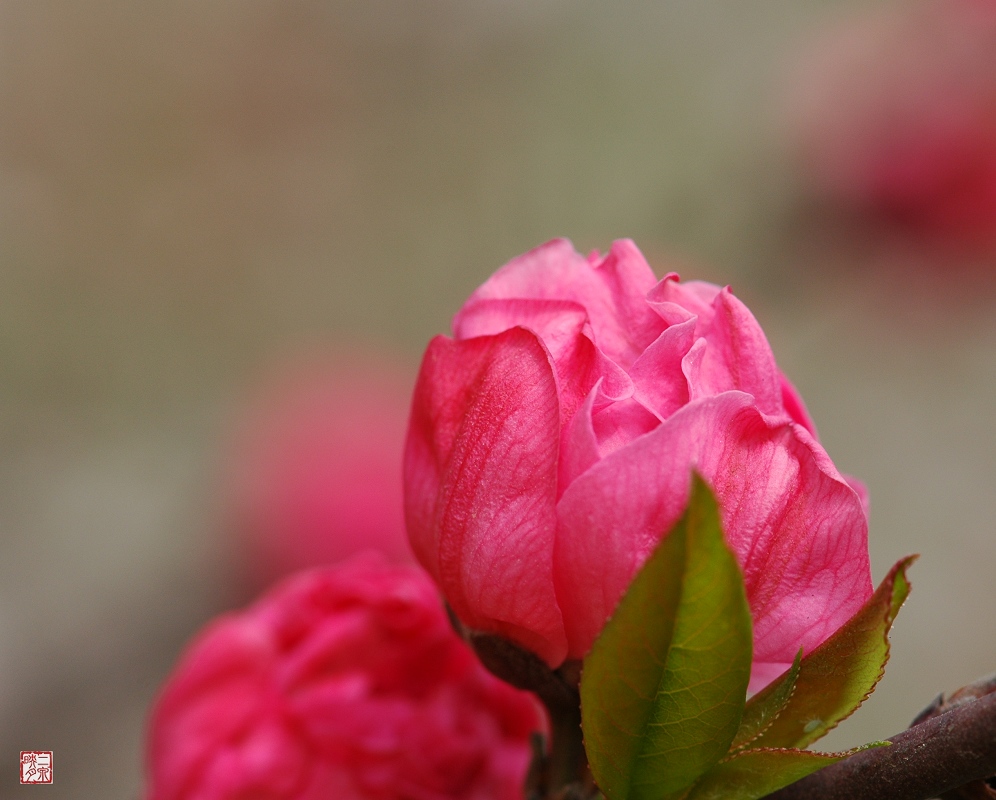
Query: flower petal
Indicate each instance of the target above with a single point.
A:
(676, 302)
(612, 291)
(481, 483)
(659, 381)
(562, 326)
(578, 444)
(798, 529)
(738, 357)
(795, 407)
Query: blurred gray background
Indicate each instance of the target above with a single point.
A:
(188, 189)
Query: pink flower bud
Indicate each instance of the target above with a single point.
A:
(346, 682)
(552, 441)
(313, 472)
(894, 113)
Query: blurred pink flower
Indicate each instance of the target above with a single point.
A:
(345, 682)
(313, 474)
(894, 112)
(552, 442)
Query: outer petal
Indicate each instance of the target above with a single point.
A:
(612, 292)
(219, 690)
(798, 529)
(795, 407)
(481, 484)
(343, 682)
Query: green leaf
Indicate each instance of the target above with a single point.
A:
(763, 708)
(837, 677)
(751, 774)
(663, 689)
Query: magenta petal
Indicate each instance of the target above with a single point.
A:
(481, 484)
(800, 533)
(797, 528)
(219, 690)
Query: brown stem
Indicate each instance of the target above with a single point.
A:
(952, 744)
(560, 771)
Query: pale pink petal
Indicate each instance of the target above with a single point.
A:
(676, 302)
(627, 278)
(797, 528)
(612, 292)
(481, 484)
(738, 357)
(658, 378)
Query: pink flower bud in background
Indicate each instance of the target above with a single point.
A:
(894, 113)
(552, 442)
(345, 682)
(313, 473)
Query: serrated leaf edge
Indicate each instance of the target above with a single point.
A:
(836, 758)
(796, 665)
(684, 523)
(897, 569)
(838, 754)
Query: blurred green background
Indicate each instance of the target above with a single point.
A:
(189, 189)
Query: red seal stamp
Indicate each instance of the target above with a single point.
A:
(36, 766)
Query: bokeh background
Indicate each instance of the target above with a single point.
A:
(191, 192)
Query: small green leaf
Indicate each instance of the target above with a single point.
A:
(663, 689)
(838, 675)
(751, 774)
(763, 708)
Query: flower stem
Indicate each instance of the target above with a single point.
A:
(951, 744)
(559, 771)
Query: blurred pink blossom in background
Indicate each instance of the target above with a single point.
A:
(553, 438)
(893, 113)
(344, 682)
(313, 471)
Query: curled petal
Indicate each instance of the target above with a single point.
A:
(659, 381)
(612, 291)
(562, 326)
(795, 407)
(218, 691)
(738, 356)
(579, 444)
(676, 302)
